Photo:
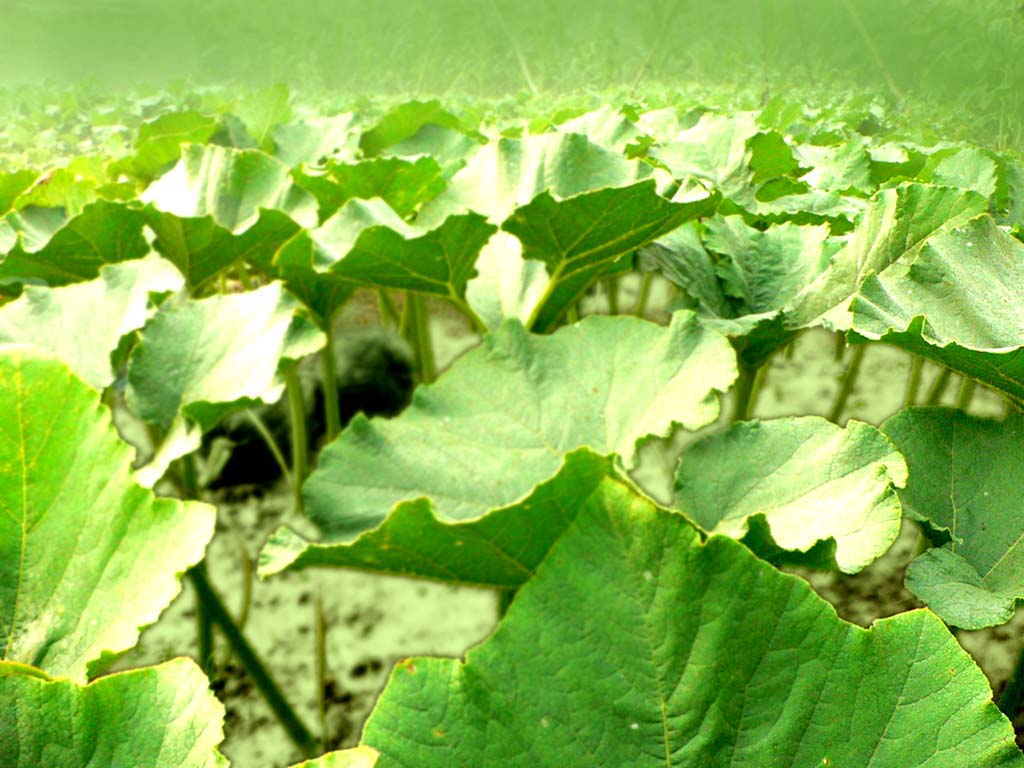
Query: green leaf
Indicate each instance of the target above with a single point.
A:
(637, 645)
(317, 139)
(582, 238)
(957, 301)
(104, 233)
(470, 456)
(576, 207)
(404, 185)
(367, 243)
(607, 127)
(202, 357)
(897, 223)
(403, 122)
(12, 185)
(158, 145)
(809, 479)
(966, 484)
(231, 185)
(158, 717)
(716, 150)
(844, 167)
(83, 324)
(506, 285)
(765, 269)
(262, 110)
(87, 556)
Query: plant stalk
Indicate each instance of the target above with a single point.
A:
(297, 416)
(645, 294)
(253, 665)
(938, 388)
(914, 382)
(389, 314)
(275, 449)
(330, 383)
(204, 621)
(612, 287)
(849, 381)
(420, 329)
(966, 393)
(744, 392)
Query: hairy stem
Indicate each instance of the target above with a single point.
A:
(966, 393)
(914, 382)
(645, 294)
(297, 417)
(849, 381)
(275, 449)
(389, 314)
(744, 392)
(252, 664)
(330, 383)
(938, 388)
(612, 287)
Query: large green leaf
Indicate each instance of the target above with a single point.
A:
(87, 556)
(200, 359)
(496, 436)
(311, 141)
(637, 645)
(104, 233)
(158, 145)
(576, 207)
(957, 301)
(262, 110)
(404, 185)
(231, 185)
(808, 479)
(966, 485)
(157, 717)
(83, 323)
(404, 122)
(741, 279)
(367, 243)
(897, 223)
(716, 151)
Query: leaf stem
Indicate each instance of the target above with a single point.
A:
(330, 382)
(849, 381)
(275, 450)
(645, 294)
(744, 392)
(387, 309)
(938, 388)
(612, 287)
(297, 417)
(419, 336)
(252, 663)
(966, 393)
(914, 382)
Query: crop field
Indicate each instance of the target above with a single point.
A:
(658, 424)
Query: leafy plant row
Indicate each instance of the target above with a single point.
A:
(188, 280)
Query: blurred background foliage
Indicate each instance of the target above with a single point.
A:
(960, 55)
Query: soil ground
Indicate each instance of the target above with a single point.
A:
(374, 620)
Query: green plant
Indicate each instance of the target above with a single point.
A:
(183, 284)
